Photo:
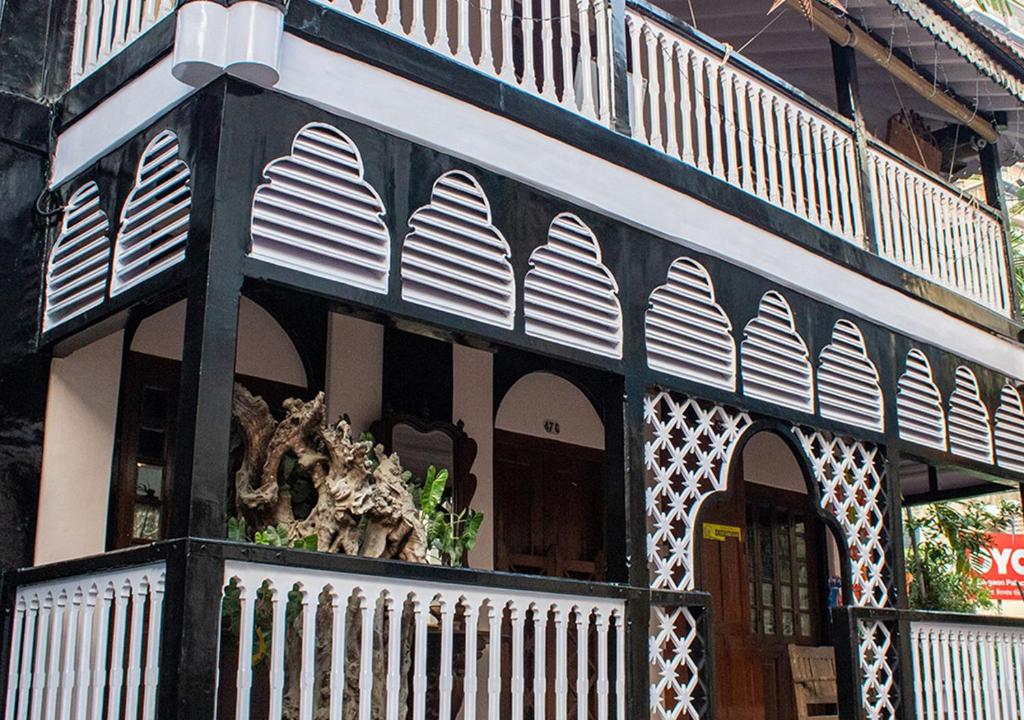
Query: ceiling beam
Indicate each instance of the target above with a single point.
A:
(847, 34)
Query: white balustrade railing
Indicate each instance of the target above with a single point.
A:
(104, 27)
(87, 647)
(556, 49)
(968, 671)
(340, 645)
(694, 104)
(936, 231)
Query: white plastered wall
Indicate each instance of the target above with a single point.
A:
(355, 366)
(81, 411)
(473, 403)
(540, 400)
(264, 349)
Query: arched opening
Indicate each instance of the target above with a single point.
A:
(266, 362)
(771, 565)
(549, 480)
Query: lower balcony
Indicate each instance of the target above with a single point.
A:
(227, 630)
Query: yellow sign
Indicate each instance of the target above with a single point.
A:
(721, 532)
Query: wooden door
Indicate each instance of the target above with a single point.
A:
(738, 680)
(548, 507)
(768, 591)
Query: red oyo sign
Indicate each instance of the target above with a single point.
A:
(1002, 567)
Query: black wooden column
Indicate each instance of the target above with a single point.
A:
(619, 79)
(844, 65)
(991, 172)
(217, 239)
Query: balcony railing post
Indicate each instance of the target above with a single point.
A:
(619, 77)
(844, 62)
(994, 196)
(908, 704)
(190, 634)
(848, 676)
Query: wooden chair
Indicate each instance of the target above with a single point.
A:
(813, 670)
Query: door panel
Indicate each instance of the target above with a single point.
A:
(767, 591)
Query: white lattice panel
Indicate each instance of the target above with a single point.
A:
(688, 333)
(686, 456)
(851, 478)
(970, 434)
(676, 657)
(455, 259)
(318, 215)
(79, 263)
(848, 389)
(919, 409)
(155, 217)
(774, 360)
(1009, 432)
(569, 296)
(878, 677)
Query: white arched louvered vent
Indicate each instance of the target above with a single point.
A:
(688, 334)
(79, 262)
(922, 418)
(570, 297)
(454, 259)
(154, 220)
(317, 214)
(848, 389)
(970, 435)
(1009, 432)
(774, 358)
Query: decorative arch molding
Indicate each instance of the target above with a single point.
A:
(316, 213)
(689, 446)
(848, 388)
(78, 267)
(569, 296)
(774, 359)
(155, 218)
(919, 408)
(454, 259)
(970, 431)
(688, 333)
(1009, 430)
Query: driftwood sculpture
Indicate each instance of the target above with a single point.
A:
(363, 506)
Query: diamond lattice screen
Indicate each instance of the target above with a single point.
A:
(686, 456)
(679, 688)
(851, 478)
(878, 657)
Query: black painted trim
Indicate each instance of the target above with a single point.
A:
(25, 123)
(356, 38)
(140, 55)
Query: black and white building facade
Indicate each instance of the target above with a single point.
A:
(707, 331)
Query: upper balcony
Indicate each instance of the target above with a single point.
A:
(727, 108)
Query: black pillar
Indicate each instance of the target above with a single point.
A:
(619, 79)
(217, 242)
(844, 65)
(991, 172)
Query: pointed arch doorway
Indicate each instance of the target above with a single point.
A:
(764, 557)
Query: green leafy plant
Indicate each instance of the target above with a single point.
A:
(944, 537)
(278, 537)
(450, 534)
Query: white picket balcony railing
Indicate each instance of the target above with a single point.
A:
(346, 645)
(966, 671)
(690, 102)
(931, 229)
(87, 647)
(103, 28)
(555, 49)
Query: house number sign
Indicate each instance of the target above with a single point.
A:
(551, 427)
